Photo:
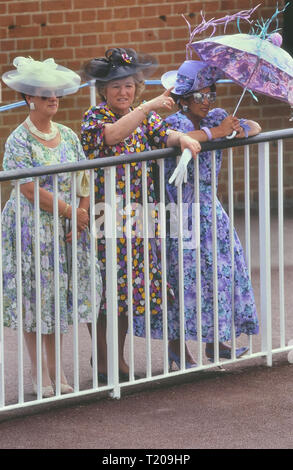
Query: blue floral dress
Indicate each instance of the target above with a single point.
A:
(244, 305)
(23, 151)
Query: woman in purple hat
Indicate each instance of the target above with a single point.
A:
(116, 127)
(195, 92)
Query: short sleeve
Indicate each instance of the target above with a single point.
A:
(78, 147)
(214, 118)
(93, 131)
(180, 122)
(17, 153)
(157, 130)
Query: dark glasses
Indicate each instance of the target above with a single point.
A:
(48, 97)
(199, 97)
(47, 94)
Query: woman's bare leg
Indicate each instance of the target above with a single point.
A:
(122, 332)
(174, 345)
(102, 342)
(50, 345)
(31, 343)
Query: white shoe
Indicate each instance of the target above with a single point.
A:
(47, 391)
(65, 388)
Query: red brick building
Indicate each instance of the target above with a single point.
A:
(73, 31)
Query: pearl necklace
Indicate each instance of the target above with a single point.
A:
(42, 135)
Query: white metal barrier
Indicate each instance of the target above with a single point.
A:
(146, 356)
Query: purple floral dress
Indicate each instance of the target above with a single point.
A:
(244, 305)
(152, 133)
(23, 151)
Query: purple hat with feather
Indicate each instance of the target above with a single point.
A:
(191, 76)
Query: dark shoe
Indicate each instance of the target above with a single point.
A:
(103, 378)
(173, 357)
(226, 353)
(124, 377)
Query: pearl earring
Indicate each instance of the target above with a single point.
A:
(32, 106)
(185, 108)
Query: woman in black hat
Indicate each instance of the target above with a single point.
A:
(115, 127)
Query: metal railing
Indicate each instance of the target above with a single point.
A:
(153, 363)
(91, 85)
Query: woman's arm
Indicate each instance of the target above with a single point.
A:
(184, 141)
(254, 129)
(64, 209)
(227, 126)
(119, 130)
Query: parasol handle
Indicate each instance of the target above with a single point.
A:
(231, 136)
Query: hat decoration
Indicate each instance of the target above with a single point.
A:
(36, 78)
(194, 75)
(214, 23)
(119, 63)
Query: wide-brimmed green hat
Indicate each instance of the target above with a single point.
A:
(36, 78)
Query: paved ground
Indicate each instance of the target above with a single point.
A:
(243, 408)
(247, 406)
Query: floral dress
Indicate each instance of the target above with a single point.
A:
(244, 305)
(23, 151)
(152, 133)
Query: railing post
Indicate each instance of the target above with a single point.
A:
(265, 249)
(111, 279)
(93, 92)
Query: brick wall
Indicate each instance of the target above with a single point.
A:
(73, 31)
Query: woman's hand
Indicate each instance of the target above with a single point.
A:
(253, 128)
(68, 237)
(82, 219)
(228, 125)
(232, 123)
(163, 101)
(187, 142)
(184, 141)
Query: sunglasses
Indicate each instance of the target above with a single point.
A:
(49, 94)
(48, 97)
(199, 97)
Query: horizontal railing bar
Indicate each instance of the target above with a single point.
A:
(18, 104)
(81, 393)
(46, 401)
(140, 157)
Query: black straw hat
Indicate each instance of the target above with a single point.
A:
(119, 63)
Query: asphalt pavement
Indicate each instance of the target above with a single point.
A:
(246, 406)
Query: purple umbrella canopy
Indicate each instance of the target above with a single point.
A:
(255, 61)
(251, 62)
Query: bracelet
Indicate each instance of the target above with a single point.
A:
(208, 132)
(83, 209)
(65, 211)
(180, 134)
(141, 109)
